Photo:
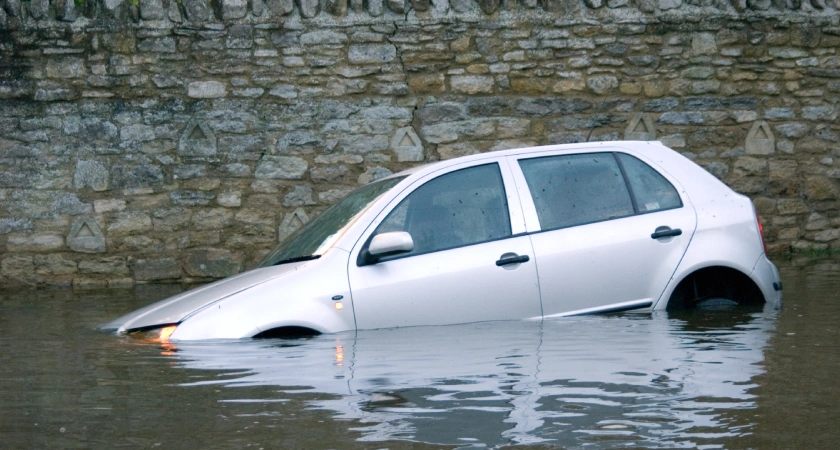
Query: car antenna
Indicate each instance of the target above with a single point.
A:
(594, 122)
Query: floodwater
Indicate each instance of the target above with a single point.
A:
(761, 379)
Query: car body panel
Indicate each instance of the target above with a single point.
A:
(302, 298)
(176, 308)
(603, 266)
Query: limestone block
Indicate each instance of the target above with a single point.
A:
(13, 8)
(130, 222)
(488, 6)
(35, 243)
(471, 84)
(206, 89)
(398, 6)
(640, 128)
(151, 9)
(212, 262)
(92, 174)
(328, 174)
(309, 8)
(191, 198)
(280, 7)
(281, 167)
(336, 7)
(300, 196)
(407, 145)
(465, 5)
(234, 9)
(156, 269)
(70, 205)
(371, 53)
(760, 140)
(422, 5)
(54, 265)
(174, 12)
(39, 9)
(373, 173)
(291, 222)
(65, 10)
(9, 225)
(114, 265)
(198, 10)
(703, 44)
(197, 139)
(376, 7)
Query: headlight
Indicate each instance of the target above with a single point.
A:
(159, 334)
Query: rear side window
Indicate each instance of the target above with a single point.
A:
(460, 208)
(651, 191)
(571, 190)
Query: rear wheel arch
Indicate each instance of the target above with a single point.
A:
(714, 282)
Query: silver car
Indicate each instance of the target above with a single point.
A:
(529, 233)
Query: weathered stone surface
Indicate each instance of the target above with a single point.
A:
(301, 195)
(281, 167)
(35, 243)
(156, 269)
(407, 145)
(92, 174)
(216, 263)
(280, 7)
(206, 89)
(371, 53)
(197, 10)
(54, 265)
(472, 84)
(107, 266)
(130, 222)
(373, 173)
(151, 9)
(8, 225)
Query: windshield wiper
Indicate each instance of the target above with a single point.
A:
(297, 259)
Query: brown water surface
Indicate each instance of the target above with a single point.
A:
(729, 379)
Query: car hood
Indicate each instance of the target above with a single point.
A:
(177, 308)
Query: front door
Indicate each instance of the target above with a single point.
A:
(466, 265)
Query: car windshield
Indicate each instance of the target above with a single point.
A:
(314, 238)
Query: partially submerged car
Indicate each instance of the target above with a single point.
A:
(528, 233)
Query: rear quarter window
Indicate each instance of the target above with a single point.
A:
(650, 190)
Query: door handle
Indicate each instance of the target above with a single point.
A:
(663, 232)
(508, 258)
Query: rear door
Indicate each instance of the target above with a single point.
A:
(460, 221)
(608, 229)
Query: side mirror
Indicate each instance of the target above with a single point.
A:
(386, 244)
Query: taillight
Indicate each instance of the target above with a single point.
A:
(761, 232)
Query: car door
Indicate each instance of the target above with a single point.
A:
(470, 261)
(608, 230)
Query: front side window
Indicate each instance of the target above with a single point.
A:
(571, 190)
(464, 207)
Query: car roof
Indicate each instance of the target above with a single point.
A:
(642, 147)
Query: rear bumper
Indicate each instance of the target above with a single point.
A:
(766, 275)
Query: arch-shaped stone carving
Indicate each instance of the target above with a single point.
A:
(760, 140)
(289, 224)
(407, 145)
(86, 237)
(640, 128)
(197, 139)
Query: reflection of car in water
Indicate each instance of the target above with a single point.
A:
(654, 381)
(526, 233)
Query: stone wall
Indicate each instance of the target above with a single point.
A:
(179, 140)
